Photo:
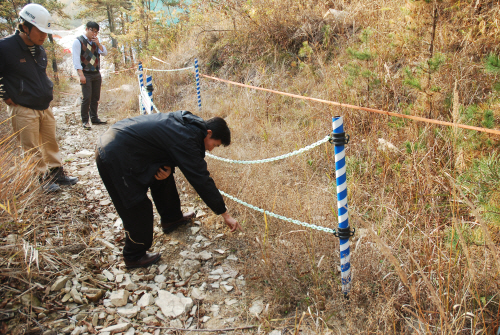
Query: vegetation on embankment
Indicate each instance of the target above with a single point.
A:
(425, 255)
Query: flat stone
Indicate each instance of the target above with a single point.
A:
(130, 331)
(176, 323)
(151, 321)
(119, 328)
(162, 268)
(30, 299)
(119, 298)
(59, 284)
(200, 213)
(195, 230)
(215, 310)
(127, 283)
(173, 305)
(230, 302)
(232, 258)
(218, 271)
(111, 216)
(146, 300)
(197, 294)
(257, 307)
(205, 318)
(109, 276)
(188, 267)
(105, 202)
(77, 297)
(84, 154)
(129, 311)
(160, 279)
(227, 288)
(205, 255)
(94, 295)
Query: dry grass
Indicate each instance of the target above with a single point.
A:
(423, 261)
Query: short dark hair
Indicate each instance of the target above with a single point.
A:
(92, 25)
(27, 24)
(220, 130)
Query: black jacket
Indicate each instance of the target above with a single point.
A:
(134, 149)
(23, 76)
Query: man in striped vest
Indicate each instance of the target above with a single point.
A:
(87, 50)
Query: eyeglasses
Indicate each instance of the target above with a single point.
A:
(95, 31)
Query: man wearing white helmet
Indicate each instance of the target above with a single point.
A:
(26, 89)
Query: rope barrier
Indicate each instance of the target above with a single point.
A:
(170, 70)
(266, 160)
(378, 111)
(281, 217)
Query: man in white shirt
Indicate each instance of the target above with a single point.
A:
(87, 50)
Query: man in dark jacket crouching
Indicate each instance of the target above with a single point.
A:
(141, 153)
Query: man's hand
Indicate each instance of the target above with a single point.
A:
(10, 102)
(163, 173)
(96, 41)
(231, 223)
(83, 80)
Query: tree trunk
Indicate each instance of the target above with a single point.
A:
(114, 44)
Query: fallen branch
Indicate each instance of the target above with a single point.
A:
(203, 330)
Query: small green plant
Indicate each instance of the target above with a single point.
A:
(305, 51)
(411, 80)
(488, 119)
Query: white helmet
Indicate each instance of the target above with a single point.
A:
(38, 16)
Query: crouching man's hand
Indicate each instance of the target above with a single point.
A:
(231, 223)
(163, 173)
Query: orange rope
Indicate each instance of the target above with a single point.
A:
(378, 111)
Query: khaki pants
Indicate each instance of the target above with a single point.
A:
(37, 135)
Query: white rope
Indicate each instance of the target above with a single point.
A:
(171, 70)
(266, 160)
(281, 217)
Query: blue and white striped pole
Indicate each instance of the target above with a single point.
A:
(149, 88)
(141, 85)
(344, 231)
(198, 90)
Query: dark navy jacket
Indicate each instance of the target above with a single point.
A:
(133, 150)
(23, 76)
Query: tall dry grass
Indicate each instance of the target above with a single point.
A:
(425, 258)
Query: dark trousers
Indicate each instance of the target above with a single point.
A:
(138, 220)
(91, 91)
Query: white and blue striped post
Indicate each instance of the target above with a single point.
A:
(149, 88)
(141, 85)
(343, 233)
(198, 89)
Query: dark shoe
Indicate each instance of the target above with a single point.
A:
(169, 227)
(50, 188)
(86, 126)
(144, 261)
(58, 176)
(97, 121)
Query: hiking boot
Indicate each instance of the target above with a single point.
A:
(58, 176)
(50, 188)
(86, 126)
(98, 121)
(169, 227)
(143, 262)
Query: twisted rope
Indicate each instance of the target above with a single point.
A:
(281, 217)
(266, 160)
